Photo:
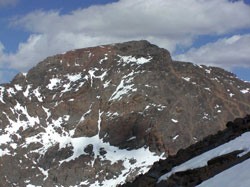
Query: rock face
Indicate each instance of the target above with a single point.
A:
(102, 115)
(197, 164)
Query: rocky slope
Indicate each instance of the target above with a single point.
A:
(218, 160)
(102, 115)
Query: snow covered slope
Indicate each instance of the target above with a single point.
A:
(236, 176)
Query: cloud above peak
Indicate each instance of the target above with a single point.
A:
(167, 23)
(150, 17)
(226, 53)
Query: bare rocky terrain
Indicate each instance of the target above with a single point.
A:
(100, 116)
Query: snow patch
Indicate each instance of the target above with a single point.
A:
(245, 91)
(174, 120)
(186, 79)
(74, 78)
(106, 84)
(208, 89)
(48, 113)
(215, 79)
(143, 60)
(206, 116)
(131, 59)
(132, 138)
(11, 92)
(124, 86)
(159, 107)
(18, 87)
(83, 116)
(5, 138)
(38, 95)
(26, 93)
(174, 138)
(2, 94)
(66, 87)
(216, 106)
(92, 75)
(53, 83)
(102, 60)
(208, 71)
(112, 115)
(121, 90)
(44, 172)
(4, 152)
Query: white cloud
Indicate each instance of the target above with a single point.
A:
(2, 55)
(7, 2)
(1, 48)
(226, 53)
(166, 23)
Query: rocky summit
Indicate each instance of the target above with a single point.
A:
(100, 116)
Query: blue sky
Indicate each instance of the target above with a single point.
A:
(214, 32)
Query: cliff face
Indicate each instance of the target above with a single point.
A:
(103, 115)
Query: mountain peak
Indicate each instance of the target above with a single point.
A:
(82, 59)
(116, 108)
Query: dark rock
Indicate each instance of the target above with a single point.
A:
(89, 149)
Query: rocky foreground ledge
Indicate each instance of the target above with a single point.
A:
(198, 163)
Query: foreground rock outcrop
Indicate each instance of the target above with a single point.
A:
(203, 160)
(103, 115)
